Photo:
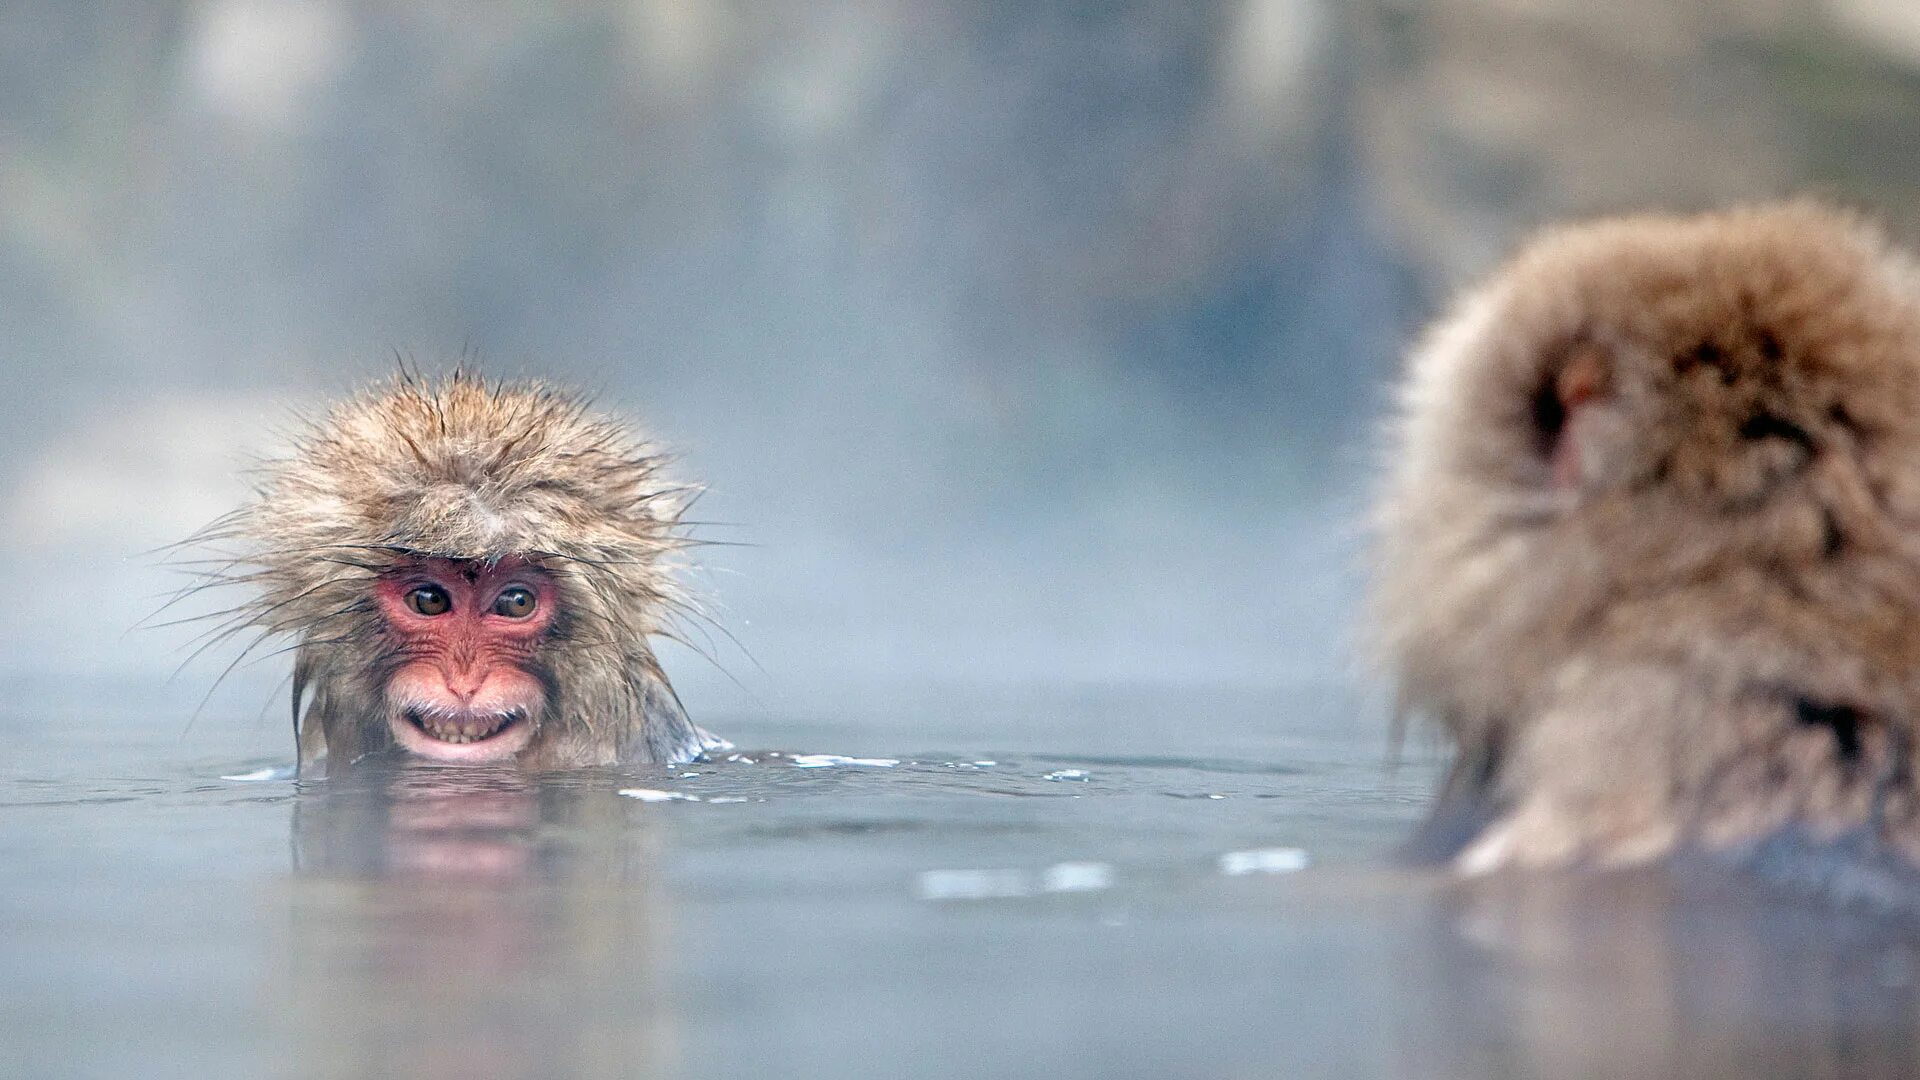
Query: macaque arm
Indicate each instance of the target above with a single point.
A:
(1465, 807)
(1592, 779)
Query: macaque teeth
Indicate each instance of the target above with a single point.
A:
(461, 730)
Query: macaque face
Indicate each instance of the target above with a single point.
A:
(465, 636)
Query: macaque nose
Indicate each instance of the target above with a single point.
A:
(464, 683)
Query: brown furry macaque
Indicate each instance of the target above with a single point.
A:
(1650, 547)
(470, 572)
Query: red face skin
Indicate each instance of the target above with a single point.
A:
(466, 632)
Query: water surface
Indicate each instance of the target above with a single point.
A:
(1161, 904)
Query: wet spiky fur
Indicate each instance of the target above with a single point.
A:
(461, 467)
(1712, 639)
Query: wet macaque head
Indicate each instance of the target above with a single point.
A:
(1649, 548)
(470, 572)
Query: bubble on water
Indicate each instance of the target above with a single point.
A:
(1282, 860)
(824, 761)
(1006, 883)
(652, 795)
(1066, 774)
(260, 776)
(1077, 877)
(974, 884)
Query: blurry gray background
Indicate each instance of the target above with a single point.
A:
(1020, 343)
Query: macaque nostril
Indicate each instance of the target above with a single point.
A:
(465, 685)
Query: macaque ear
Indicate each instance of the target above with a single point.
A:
(1583, 378)
(669, 735)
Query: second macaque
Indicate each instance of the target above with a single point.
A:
(470, 572)
(1650, 549)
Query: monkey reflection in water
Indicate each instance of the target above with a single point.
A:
(469, 572)
(474, 922)
(1650, 972)
(1650, 549)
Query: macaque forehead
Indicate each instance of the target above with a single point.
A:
(469, 573)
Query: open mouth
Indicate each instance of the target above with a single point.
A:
(460, 735)
(462, 728)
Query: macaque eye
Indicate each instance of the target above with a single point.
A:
(514, 603)
(429, 600)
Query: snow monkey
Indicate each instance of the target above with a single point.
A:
(1649, 549)
(469, 571)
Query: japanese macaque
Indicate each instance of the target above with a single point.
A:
(1649, 550)
(469, 572)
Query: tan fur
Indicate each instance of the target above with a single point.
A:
(465, 468)
(1713, 633)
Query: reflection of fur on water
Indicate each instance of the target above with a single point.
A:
(474, 923)
(1656, 975)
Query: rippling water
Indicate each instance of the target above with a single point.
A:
(1168, 904)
